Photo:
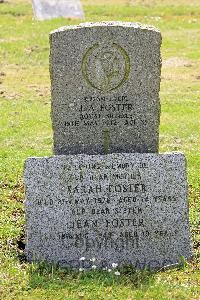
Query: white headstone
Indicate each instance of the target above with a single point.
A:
(49, 9)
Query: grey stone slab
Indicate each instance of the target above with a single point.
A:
(118, 208)
(49, 9)
(105, 88)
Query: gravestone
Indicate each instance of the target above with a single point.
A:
(49, 9)
(105, 88)
(125, 208)
(118, 208)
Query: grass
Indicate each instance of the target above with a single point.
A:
(25, 128)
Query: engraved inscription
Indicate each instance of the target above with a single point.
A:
(110, 200)
(112, 111)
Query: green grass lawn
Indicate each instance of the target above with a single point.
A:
(25, 128)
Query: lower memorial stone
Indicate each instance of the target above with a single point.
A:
(118, 208)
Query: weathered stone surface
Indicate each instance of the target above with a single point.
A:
(105, 88)
(122, 208)
(49, 9)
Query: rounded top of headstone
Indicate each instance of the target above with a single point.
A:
(107, 24)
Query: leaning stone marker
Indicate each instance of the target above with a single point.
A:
(105, 88)
(49, 9)
(122, 208)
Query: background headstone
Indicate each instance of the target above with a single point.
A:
(49, 9)
(121, 208)
(105, 88)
